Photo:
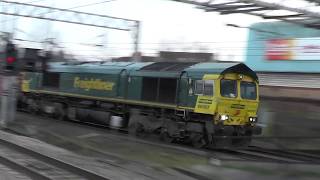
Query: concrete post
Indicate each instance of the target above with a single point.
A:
(8, 91)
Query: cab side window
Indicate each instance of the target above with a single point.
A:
(208, 87)
(199, 87)
(204, 87)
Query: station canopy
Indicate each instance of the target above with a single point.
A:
(303, 12)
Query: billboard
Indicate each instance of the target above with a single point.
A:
(300, 49)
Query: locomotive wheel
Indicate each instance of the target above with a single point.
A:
(223, 143)
(32, 106)
(165, 137)
(132, 129)
(60, 112)
(197, 140)
(137, 129)
(140, 131)
(242, 141)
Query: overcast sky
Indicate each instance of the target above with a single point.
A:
(166, 25)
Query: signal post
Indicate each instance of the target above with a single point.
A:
(8, 85)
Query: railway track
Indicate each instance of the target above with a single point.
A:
(250, 154)
(267, 157)
(288, 154)
(34, 165)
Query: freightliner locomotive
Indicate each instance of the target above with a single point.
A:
(204, 104)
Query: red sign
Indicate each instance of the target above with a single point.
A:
(279, 49)
(11, 60)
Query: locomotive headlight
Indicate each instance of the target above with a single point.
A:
(253, 119)
(224, 117)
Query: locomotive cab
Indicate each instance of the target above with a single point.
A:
(237, 100)
(237, 106)
(231, 98)
(227, 96)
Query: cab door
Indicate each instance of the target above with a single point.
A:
(206, 102)
(184, 98)
(123, 84)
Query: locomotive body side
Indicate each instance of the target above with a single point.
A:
(186, 105)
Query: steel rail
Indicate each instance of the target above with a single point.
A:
(72, 169)
(245, 154)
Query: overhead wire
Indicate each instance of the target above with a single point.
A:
(74, 7)
(173, 43)
(91, 4)
(18, 18)
(191, 45)
(71, 8)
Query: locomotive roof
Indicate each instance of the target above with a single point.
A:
(156, 69)
(95, 67)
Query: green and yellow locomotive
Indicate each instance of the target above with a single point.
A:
(192, 102)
